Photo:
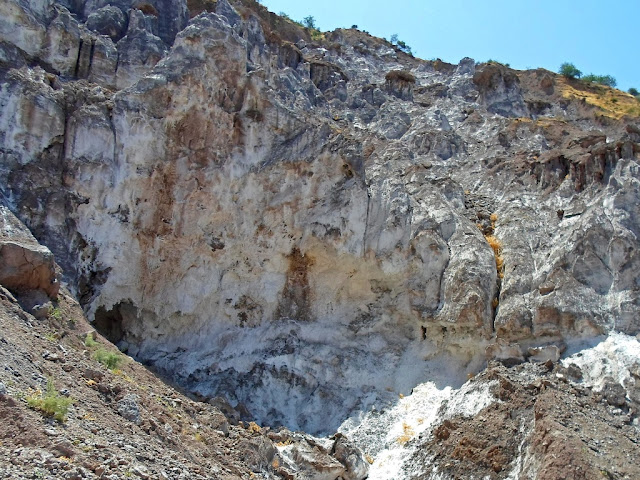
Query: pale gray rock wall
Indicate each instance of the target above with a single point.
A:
(297, 226)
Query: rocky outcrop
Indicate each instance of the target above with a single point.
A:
(500, 90)
(311, 227)
(25, 265)
(139, 50)
(109, 21)
(567, 422)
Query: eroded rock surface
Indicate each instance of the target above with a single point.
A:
(308, 228)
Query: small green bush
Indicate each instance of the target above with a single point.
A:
(607, 80)
(89, 342)
(111, 360)
(569, 70)
(51, 403)
(56, 313)
(634, 91)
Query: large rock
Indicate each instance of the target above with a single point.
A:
(500, 90)
(169, 16)
(139, 50)
(23, 24)
(109, 21)
(25, 265)
(62, 43)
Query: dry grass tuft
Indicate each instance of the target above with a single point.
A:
(611, 102)
(402, 75)
(496, 245)
(254, 427)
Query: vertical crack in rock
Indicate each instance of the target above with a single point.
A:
(76, 68)
(496, 246)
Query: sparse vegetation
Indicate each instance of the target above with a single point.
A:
(497, 63)
(56, 313)
(400, 45)
(496, 245)
(609, 102)
(607, 80)
(51, 403)
(316, 34)
(52, 336)
(402, 75)
(89, 341)
(309, 22)
(111, 360)
(254, 427)
(569, 70)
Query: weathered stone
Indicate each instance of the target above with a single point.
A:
(312, 463)
(544, 354)
(356, 465)
(500, 90)
(24, 264)
(104, 62)
(613, 392)
(62, 43)
(258, 452)
(224, 9)
(167, 16)
(507, 354)
(23, 24)
(400, 84)
(139, 50)
(128, 408)
(109, 21)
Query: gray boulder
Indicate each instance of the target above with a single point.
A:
(109, 21)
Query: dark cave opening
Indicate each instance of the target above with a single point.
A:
(110, 322)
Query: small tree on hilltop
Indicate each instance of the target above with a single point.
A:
(400, 44)
(634, 91)
(607, 80)
(309, 22)
(569, 70)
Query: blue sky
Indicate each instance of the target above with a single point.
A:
(596, 36)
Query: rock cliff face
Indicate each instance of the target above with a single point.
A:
(310, 227)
